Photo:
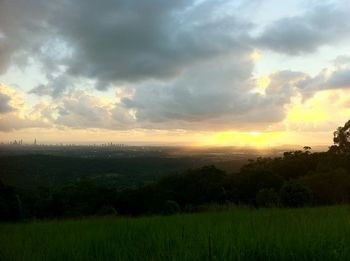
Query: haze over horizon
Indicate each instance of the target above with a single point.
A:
(202, 72)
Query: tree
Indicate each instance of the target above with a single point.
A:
(195, 186)
(267, 198)
(307, 149)
(251, 182)
(10, 204)
(341, 139)
(294, 194)
(107, 211)
(171, 207)
(332, 187)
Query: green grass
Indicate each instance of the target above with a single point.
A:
(236, 234)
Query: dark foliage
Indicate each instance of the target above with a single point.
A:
(107, 211)
(249, 183)
(332, 187)
(341, 139)
(10, 204)
(290, 181)
(295, 194)
(195, 187)
(31, 171)
(267, 198)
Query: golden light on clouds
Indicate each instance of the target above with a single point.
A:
(255, 56)
(304, 123)
(307, 122)
(16, 98)
(123, 92)
(262, 83)
(324, 106)
(313, 113)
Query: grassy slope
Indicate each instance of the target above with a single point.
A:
(237, 234)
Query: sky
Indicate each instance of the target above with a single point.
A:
(188, 72)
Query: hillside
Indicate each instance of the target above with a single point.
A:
(234, 234)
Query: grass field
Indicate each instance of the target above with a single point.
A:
(236, 234)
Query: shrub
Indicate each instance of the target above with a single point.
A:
(189, 208)
(10, 204)
(251, 182)
(294, 194)
(332, 187)
(171, 207)
(107, 211)
(267, 198)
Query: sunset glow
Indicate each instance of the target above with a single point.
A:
(255, 139)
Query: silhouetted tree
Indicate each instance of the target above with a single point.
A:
(341, 139)
(251, 182)
(331, 187)
(171, 207)
(307, 149)
(107, 211)
(295, 194)
(195, 186)
(267, 198)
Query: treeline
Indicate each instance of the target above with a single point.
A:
(296, 179)
(31, 171)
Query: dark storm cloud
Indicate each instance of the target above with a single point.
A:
(119, 40)
(23, 29)
(4, 103)
(132, 40)
(321, 25)
(56, 86)
(136, 40)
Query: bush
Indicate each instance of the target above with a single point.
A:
(295, 194)
(10, 204)
(267, 198)
(107, 211)
(332, 187)
(251, 182)
(171, 207)
(189, 208)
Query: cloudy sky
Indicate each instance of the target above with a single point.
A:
(204, 72)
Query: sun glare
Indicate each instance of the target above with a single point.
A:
(251, 139)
